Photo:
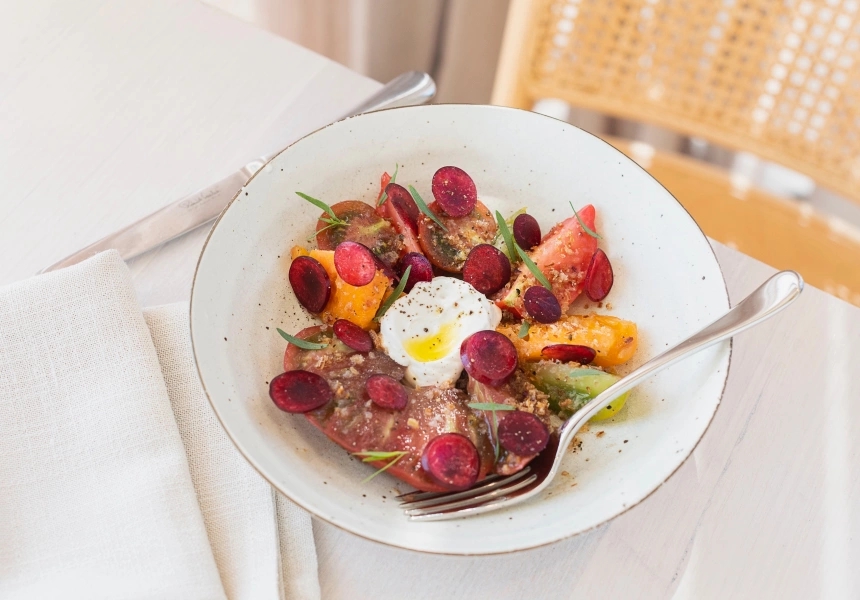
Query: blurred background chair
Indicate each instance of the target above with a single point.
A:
(776, 79)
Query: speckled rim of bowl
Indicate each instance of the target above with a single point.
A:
(349, 530)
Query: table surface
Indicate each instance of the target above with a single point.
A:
(109, 110)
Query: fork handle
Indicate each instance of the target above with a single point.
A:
(771, 297)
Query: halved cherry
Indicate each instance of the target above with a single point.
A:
(599, 277)
(452, 460)
(526, 231)
(352, 335)
(386, 392)
(489, 357)
(310, 282)
(569, 353)
(402, 201)
(422, 270)
(487, 269)
(299, 391)
(455, 191)
(541, 304)
(355, 263)
(522, 433)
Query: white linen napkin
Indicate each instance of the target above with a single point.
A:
(116, 480)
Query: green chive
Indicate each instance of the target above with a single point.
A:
(506, 235)
(303, 344)
(423, 208)
(395, 294)
(583, 225)
(533, 267)
(524, 330)
(490, 406)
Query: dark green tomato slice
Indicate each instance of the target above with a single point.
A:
(449, 250)
(363, 226)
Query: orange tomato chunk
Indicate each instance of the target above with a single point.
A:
(613, 339)
(357, 304)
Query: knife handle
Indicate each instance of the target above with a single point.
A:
(203, 206)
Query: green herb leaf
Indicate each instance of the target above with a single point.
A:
(423, 208)
(533, 267)
(376, 456)
(303, 344)
(583, 373)
(506, 235)
(524, 330)
(395, 294)
(323, 206)
(510, 222)
(490, 406)
(316, 233)
(583, 225)
(393, 179)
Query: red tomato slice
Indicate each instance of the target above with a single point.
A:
(383, 181)
(402, 226)
(356, 426)
(563, 257)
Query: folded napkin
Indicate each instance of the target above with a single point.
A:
(116, 480)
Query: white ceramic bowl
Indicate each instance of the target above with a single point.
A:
(667, 280)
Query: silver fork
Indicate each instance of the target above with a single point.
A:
(497, 492)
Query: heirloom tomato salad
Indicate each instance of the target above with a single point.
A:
(451, 338)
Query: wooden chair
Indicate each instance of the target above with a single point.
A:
(777, 79)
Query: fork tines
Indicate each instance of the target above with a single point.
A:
(417, 504)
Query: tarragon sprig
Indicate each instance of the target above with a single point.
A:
(368, 456)
(505, 232)
(332, 219)
(303, 344)
(395, 294)
(493, 407)
(509, 222)
(515, 250)
(422, 206)
(533, 267)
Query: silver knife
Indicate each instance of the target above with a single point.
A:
(204, 206)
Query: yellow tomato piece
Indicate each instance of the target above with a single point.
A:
(297, 251)
(357, 304)
(613, 339)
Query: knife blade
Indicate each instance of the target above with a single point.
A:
(203, 206)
